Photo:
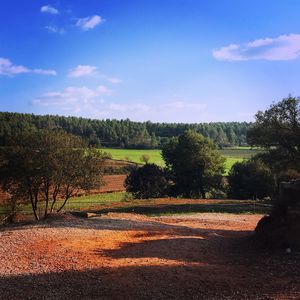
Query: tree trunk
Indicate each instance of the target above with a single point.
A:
(33, 205)
(63, 205)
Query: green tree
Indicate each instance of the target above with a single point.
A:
(146, 182)
(278, 131)
(48, 165)
(195, 164)
(250, 180)
(145, 158)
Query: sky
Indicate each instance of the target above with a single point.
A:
(158, 60)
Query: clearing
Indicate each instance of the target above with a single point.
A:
(129, 256)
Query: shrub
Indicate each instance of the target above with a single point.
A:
(250, 180)
(147, 181)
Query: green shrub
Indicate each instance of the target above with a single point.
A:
(147, 181)
(250, 179)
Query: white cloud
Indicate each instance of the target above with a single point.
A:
(44, 72)
(54, 29)
(7, 68)
(135, 107)
(73, 97)
(283, 47)
(49, 9)
(89, 22)
(82, 70)
(178, 105)
(114, 79)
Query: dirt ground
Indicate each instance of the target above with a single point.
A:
(128, 256)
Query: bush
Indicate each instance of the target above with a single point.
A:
(250, 180)
(146, 182)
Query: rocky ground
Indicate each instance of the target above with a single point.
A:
(127, 256)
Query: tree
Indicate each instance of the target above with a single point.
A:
(48, 165)
(146, 182)
(250, 180)
(145, 158)
(278, 131)
(195, 164)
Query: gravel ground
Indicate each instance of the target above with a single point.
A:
(127, 256)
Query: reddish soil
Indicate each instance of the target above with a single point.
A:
(113, 183)
(127, 256)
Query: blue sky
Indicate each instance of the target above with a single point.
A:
(158, 60)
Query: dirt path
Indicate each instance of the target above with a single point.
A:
(126, 256)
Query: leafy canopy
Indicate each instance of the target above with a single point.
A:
(250, 180)
(278, 131)
(195, 164)
(146, 182)
(45, 166)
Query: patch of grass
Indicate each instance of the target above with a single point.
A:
(78, 203)
(134, 155)
(232, 155)
(241, 152)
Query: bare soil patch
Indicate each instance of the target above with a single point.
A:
(128, 256)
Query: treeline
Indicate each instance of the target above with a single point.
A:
(121, 133)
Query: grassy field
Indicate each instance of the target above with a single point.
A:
(134, 155)
(232, 155)
(76, 203)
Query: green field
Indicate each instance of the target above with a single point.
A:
(77, 203)
(134, 155)
(232, 155)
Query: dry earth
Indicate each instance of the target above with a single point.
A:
(127, 256)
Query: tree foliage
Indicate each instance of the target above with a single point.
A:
(45, 166)
(146, 182)
(195, 164)
(250, 180)
(121, 133)
(278, 131)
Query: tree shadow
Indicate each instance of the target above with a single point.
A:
(159, 209)
(149, 282)
(167, 262)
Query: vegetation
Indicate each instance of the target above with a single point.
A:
(146, 182)
(194, 163)
(232, 155)
(278, 131)
(174, 206)
(123, 133)
(145, 158)
(250, 179)
(48, 165)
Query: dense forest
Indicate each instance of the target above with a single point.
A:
(121, 133)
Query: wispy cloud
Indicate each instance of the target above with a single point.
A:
(7, 68)
(91, 71)
(74, 96)
(49, 9)
(178, 105)
(82, 70)
(89, 23)
(114, 79)
(283, 47)
(55, 29)
(43, 72)
(135, 107)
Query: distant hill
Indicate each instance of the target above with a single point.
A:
(122, 133)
